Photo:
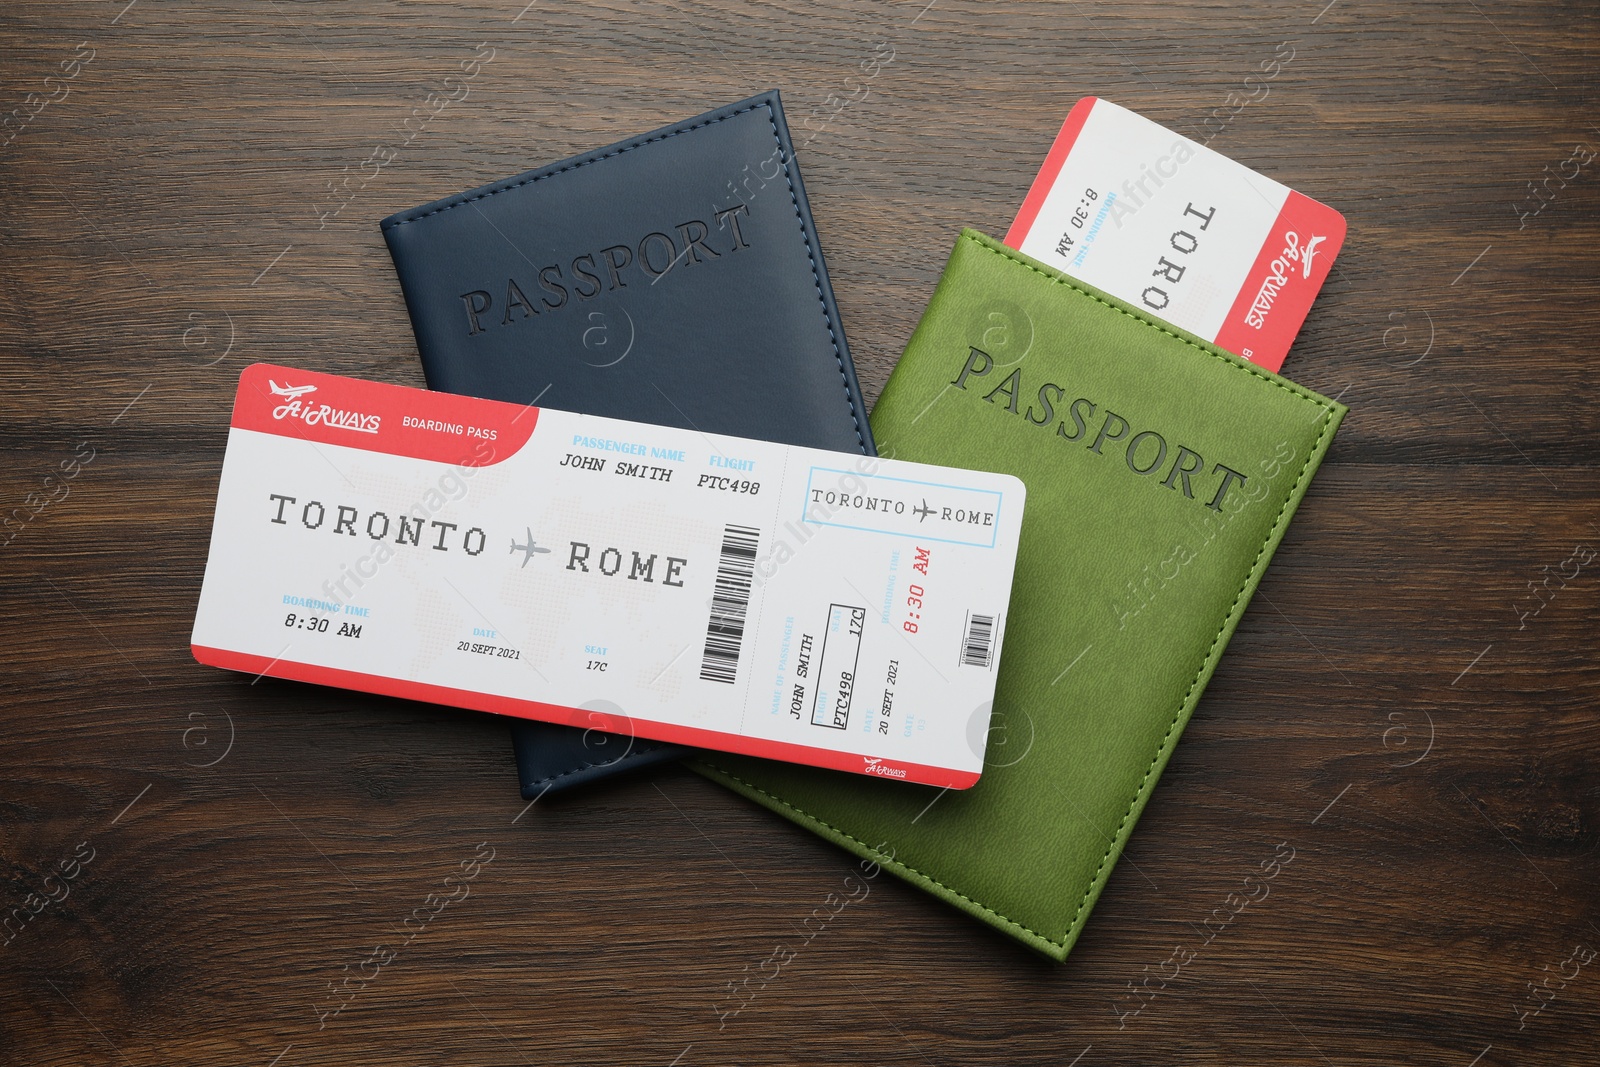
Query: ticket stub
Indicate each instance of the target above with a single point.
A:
(1184, 232)
(819, 607)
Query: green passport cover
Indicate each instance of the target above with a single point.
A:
(1161, 473)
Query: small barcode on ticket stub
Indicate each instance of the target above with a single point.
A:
(812, 606)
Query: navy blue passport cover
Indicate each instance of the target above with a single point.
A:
(673, 278)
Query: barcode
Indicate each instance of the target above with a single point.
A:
(979, 642)
(724, 633)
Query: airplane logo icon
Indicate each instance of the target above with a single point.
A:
(292, 392)
(1308, 253)
(923, 512)
(528, 550)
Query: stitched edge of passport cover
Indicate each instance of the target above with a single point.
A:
(1057, 948)
(656, 752)
(772, 102)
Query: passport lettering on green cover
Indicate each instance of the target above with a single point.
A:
(1161, 474)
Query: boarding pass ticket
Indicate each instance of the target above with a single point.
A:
(1178, 230)
(820, 607)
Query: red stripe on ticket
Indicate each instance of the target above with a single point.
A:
(1284, 280)
(375, 417)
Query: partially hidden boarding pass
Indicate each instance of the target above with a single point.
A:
(1180, 230)
(825, 608)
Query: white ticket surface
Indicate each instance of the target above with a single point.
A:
(819, 607)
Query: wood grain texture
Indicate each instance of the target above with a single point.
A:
(1390, 706)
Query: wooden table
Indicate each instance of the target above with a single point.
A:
(1411, 703)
